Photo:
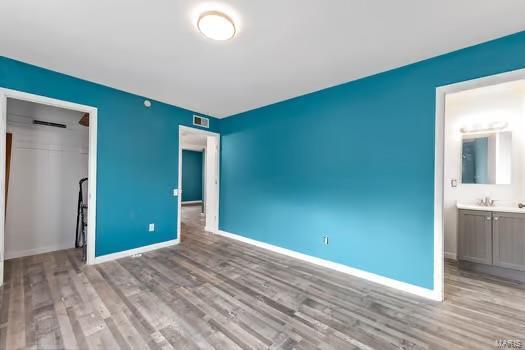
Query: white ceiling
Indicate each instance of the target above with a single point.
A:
(283, 48)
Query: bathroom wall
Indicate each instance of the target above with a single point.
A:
(503, 102)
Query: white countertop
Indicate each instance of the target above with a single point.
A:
(503, 207)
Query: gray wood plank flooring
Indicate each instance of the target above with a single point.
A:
(211, 292)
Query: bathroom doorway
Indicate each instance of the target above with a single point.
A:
(480, 145)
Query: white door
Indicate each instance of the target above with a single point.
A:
(3, 119)
(212, 183)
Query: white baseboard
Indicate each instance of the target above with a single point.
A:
(209, 229)
(35, 251)
(191, 202)
(139, 250)
(451, 255)
(403, 286)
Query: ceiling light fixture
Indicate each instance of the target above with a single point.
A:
(216, 25)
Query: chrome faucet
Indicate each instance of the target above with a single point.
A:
(486, 202)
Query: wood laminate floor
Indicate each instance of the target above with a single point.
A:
(212, 292)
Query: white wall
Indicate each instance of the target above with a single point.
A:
(46, 165)
(504, 102)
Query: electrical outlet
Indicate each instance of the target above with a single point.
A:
(325, 240)
(151, 227)
(175, 192)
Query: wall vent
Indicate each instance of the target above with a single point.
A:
(201, 121)
(55, 125)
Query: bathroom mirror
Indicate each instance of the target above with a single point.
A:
(487, 158)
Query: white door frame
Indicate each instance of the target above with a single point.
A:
(92, 172)
(205, 133)
(439, 167)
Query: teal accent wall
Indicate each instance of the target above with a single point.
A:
(191, 175)
(137, 155)
(354, 162)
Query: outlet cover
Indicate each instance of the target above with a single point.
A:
(151, 227)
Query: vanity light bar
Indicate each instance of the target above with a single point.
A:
(495, 126)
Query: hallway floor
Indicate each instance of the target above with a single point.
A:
(192, 220)
(213, 292)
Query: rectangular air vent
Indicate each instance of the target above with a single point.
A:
(55, 125)
(201, 121)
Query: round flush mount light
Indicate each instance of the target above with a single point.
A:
(216, 25)
(147, 103)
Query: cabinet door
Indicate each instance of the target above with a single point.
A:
(509, 240)
(475, 236)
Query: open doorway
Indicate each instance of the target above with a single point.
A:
(48, 152)
(480, 178)
(198, 181)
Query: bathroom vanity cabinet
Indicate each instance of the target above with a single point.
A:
(496, 240)
(508, 240)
